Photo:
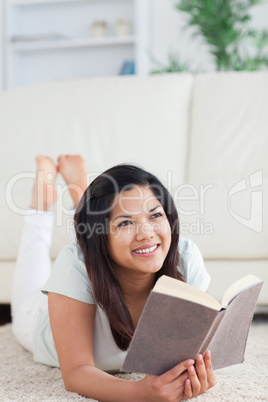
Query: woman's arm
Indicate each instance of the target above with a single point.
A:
(72, 324)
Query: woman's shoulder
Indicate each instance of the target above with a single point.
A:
(189, 253)
(192, 265)
(69, 275)
(74, 251)
(186, 246)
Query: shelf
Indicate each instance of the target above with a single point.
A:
(70, 43)
(46, 40)
(42, 2)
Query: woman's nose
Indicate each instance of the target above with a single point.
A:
(145, 231)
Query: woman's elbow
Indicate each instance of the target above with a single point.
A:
(69, 385)
(75, 379)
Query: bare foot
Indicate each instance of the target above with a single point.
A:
(73, 170)
(44, 194)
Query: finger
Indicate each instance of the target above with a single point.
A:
(179, 383)
(176, 371)
(195, 383)
(210, 373)
(201, 373)
(187, 390)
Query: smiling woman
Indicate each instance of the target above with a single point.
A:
(127, 236)
(141, 243)
(125, 198)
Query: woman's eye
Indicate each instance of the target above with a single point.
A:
(157, 215)
(124, 223)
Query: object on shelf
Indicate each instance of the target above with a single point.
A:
(122, 27)
(99, 29)
(128, 68)
(39, 37)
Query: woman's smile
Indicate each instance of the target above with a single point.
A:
(147, 250)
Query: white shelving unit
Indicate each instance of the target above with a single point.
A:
(76, 53)
(71, 43)
(1, 47)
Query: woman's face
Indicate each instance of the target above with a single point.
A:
(140, 235)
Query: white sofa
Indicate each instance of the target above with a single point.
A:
(205, 136)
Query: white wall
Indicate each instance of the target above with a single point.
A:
(168, 36)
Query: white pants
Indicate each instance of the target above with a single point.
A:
(33, 268)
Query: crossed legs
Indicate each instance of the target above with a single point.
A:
(33, 266)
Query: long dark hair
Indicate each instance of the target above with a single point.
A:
(92, 226)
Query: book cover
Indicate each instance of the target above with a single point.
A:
(128, 68)
(173, 328)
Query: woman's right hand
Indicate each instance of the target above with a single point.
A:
(168, 387)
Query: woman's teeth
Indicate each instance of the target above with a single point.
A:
(145, 250)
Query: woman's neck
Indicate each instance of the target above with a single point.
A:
(135, 289)
(135, 286)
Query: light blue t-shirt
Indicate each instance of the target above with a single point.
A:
(69, 278)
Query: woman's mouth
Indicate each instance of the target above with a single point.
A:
(146, 250)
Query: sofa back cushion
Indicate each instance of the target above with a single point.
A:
(228, 165)
(142, 120)
(229, 126)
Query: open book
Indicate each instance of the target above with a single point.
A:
(180, 321)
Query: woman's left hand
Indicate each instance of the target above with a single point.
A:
(201, 377)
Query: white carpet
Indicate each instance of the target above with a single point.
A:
(23, 380)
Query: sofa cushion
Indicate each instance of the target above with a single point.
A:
(228, 146)
(225, 273)
(141, 120)
(226, 219)
(229, 126)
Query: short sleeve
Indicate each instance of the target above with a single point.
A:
(192, 265)
(69, 276)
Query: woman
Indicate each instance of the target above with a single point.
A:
(127, 235)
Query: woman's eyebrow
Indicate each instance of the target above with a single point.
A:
(131, 216)
(122, 216)
(153, 209)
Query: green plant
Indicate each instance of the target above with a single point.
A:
(224, 24)
(174, 65)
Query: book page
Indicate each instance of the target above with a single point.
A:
(237, 287)
(174, 287)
